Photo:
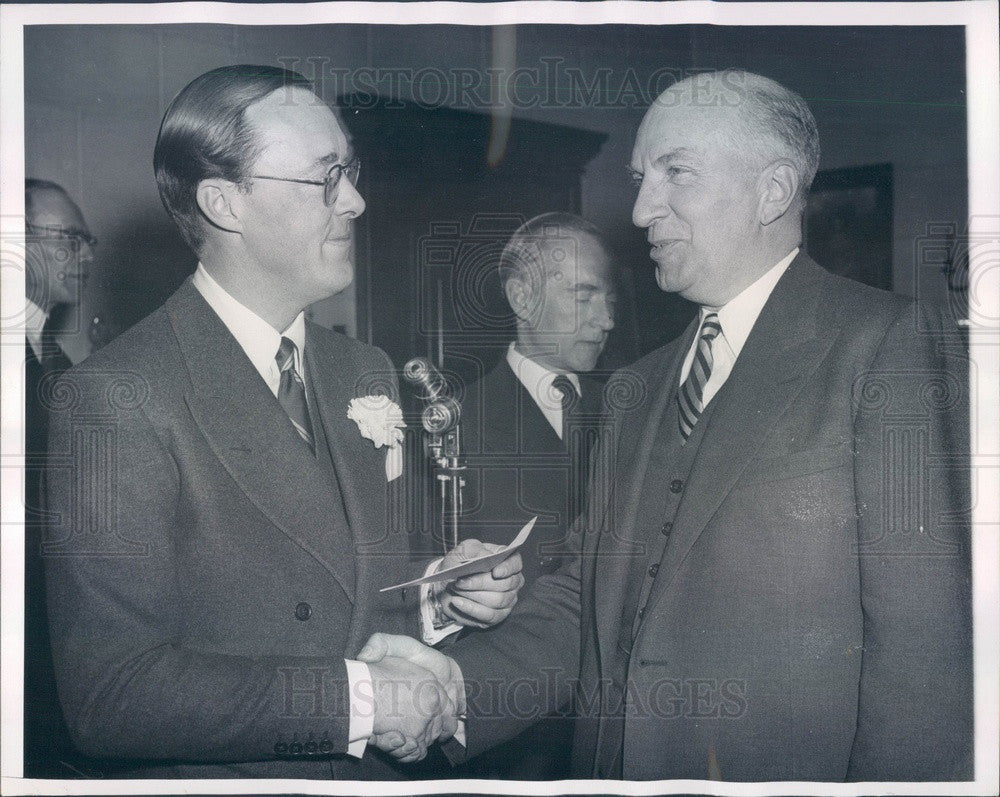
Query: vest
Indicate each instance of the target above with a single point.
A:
(670, 464)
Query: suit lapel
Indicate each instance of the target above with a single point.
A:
(783, 349)
(248, 432)
(532, 433)
(360, 469)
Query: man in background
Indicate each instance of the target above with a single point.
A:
(529, 426)
(59, 250)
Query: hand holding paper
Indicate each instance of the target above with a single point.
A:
(480, 598)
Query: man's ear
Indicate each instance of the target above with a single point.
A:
(219, 202)
(779, 185)
(519, 297)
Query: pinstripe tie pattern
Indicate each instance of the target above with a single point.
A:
(292, 392)
(689, 397)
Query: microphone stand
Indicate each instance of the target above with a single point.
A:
(441, 418)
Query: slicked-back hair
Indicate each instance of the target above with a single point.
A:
(522, 257)
(204, 134)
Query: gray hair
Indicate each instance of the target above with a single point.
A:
(522, 257)
(769, 113)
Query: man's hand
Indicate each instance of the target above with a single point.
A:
(412, 707)
(389, 647)
(484, 599)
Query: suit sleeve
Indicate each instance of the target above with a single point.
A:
(129, 685)
(911, 482)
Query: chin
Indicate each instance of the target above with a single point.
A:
(341, 276)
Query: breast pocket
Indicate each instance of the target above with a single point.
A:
(799, 463)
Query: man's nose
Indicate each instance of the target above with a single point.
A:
(647, 207)
(349, 200)
(604, 315)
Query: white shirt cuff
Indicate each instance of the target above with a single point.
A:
(362, 694)
(431, 635)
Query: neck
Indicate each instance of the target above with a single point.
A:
(251, 289)
(768, 253)
(536, 352)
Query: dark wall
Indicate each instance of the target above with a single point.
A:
(94, 97)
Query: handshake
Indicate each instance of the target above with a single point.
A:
(418, 692)
(419, 695)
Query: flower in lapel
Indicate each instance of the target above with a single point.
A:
(379, 419)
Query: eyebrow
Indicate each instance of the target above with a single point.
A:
(333, 157)
(679, 152)
(588, 286)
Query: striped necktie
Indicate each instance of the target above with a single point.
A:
(292, 392)
(689, 396)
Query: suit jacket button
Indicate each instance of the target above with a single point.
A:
(653, 570)
(311, 748)
(295, 748)
(666, 528)
(676, 486)
(280, 748)
(326, 746)
(303, 611)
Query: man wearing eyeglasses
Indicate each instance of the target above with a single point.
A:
(58, 252)
(209, 626)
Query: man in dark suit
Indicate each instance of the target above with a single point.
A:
(777, 586)
(528, 427)
(59, 250)
(227, 479)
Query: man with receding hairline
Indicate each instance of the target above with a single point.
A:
(526, 423)
(60, 250)
(778, 586)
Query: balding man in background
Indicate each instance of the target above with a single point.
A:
(779, 585)
(527, 424)
(59, 250)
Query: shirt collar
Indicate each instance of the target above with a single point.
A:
(738, 316)
(536, 378)
(34, 323)
(256, 337)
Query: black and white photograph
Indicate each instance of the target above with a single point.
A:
(500, 398)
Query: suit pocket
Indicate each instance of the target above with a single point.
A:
(799, 463)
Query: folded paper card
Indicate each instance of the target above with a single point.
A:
(481, 564)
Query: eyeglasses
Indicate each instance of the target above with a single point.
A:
(77, 238)
(330, 183)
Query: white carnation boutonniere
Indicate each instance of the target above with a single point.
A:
(379, 419)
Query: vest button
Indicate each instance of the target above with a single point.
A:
(676, 486)
(653, 570)
(666, 528)
(303, 611)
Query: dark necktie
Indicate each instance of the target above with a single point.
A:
(689, 397)
(52, 357)
(292, 392)
(569, 399)
(577, 439)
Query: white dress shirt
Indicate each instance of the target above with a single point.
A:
(538, 380)
(737, 318)
(260, 341)
(34, 322)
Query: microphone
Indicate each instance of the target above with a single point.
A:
(442, 412)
